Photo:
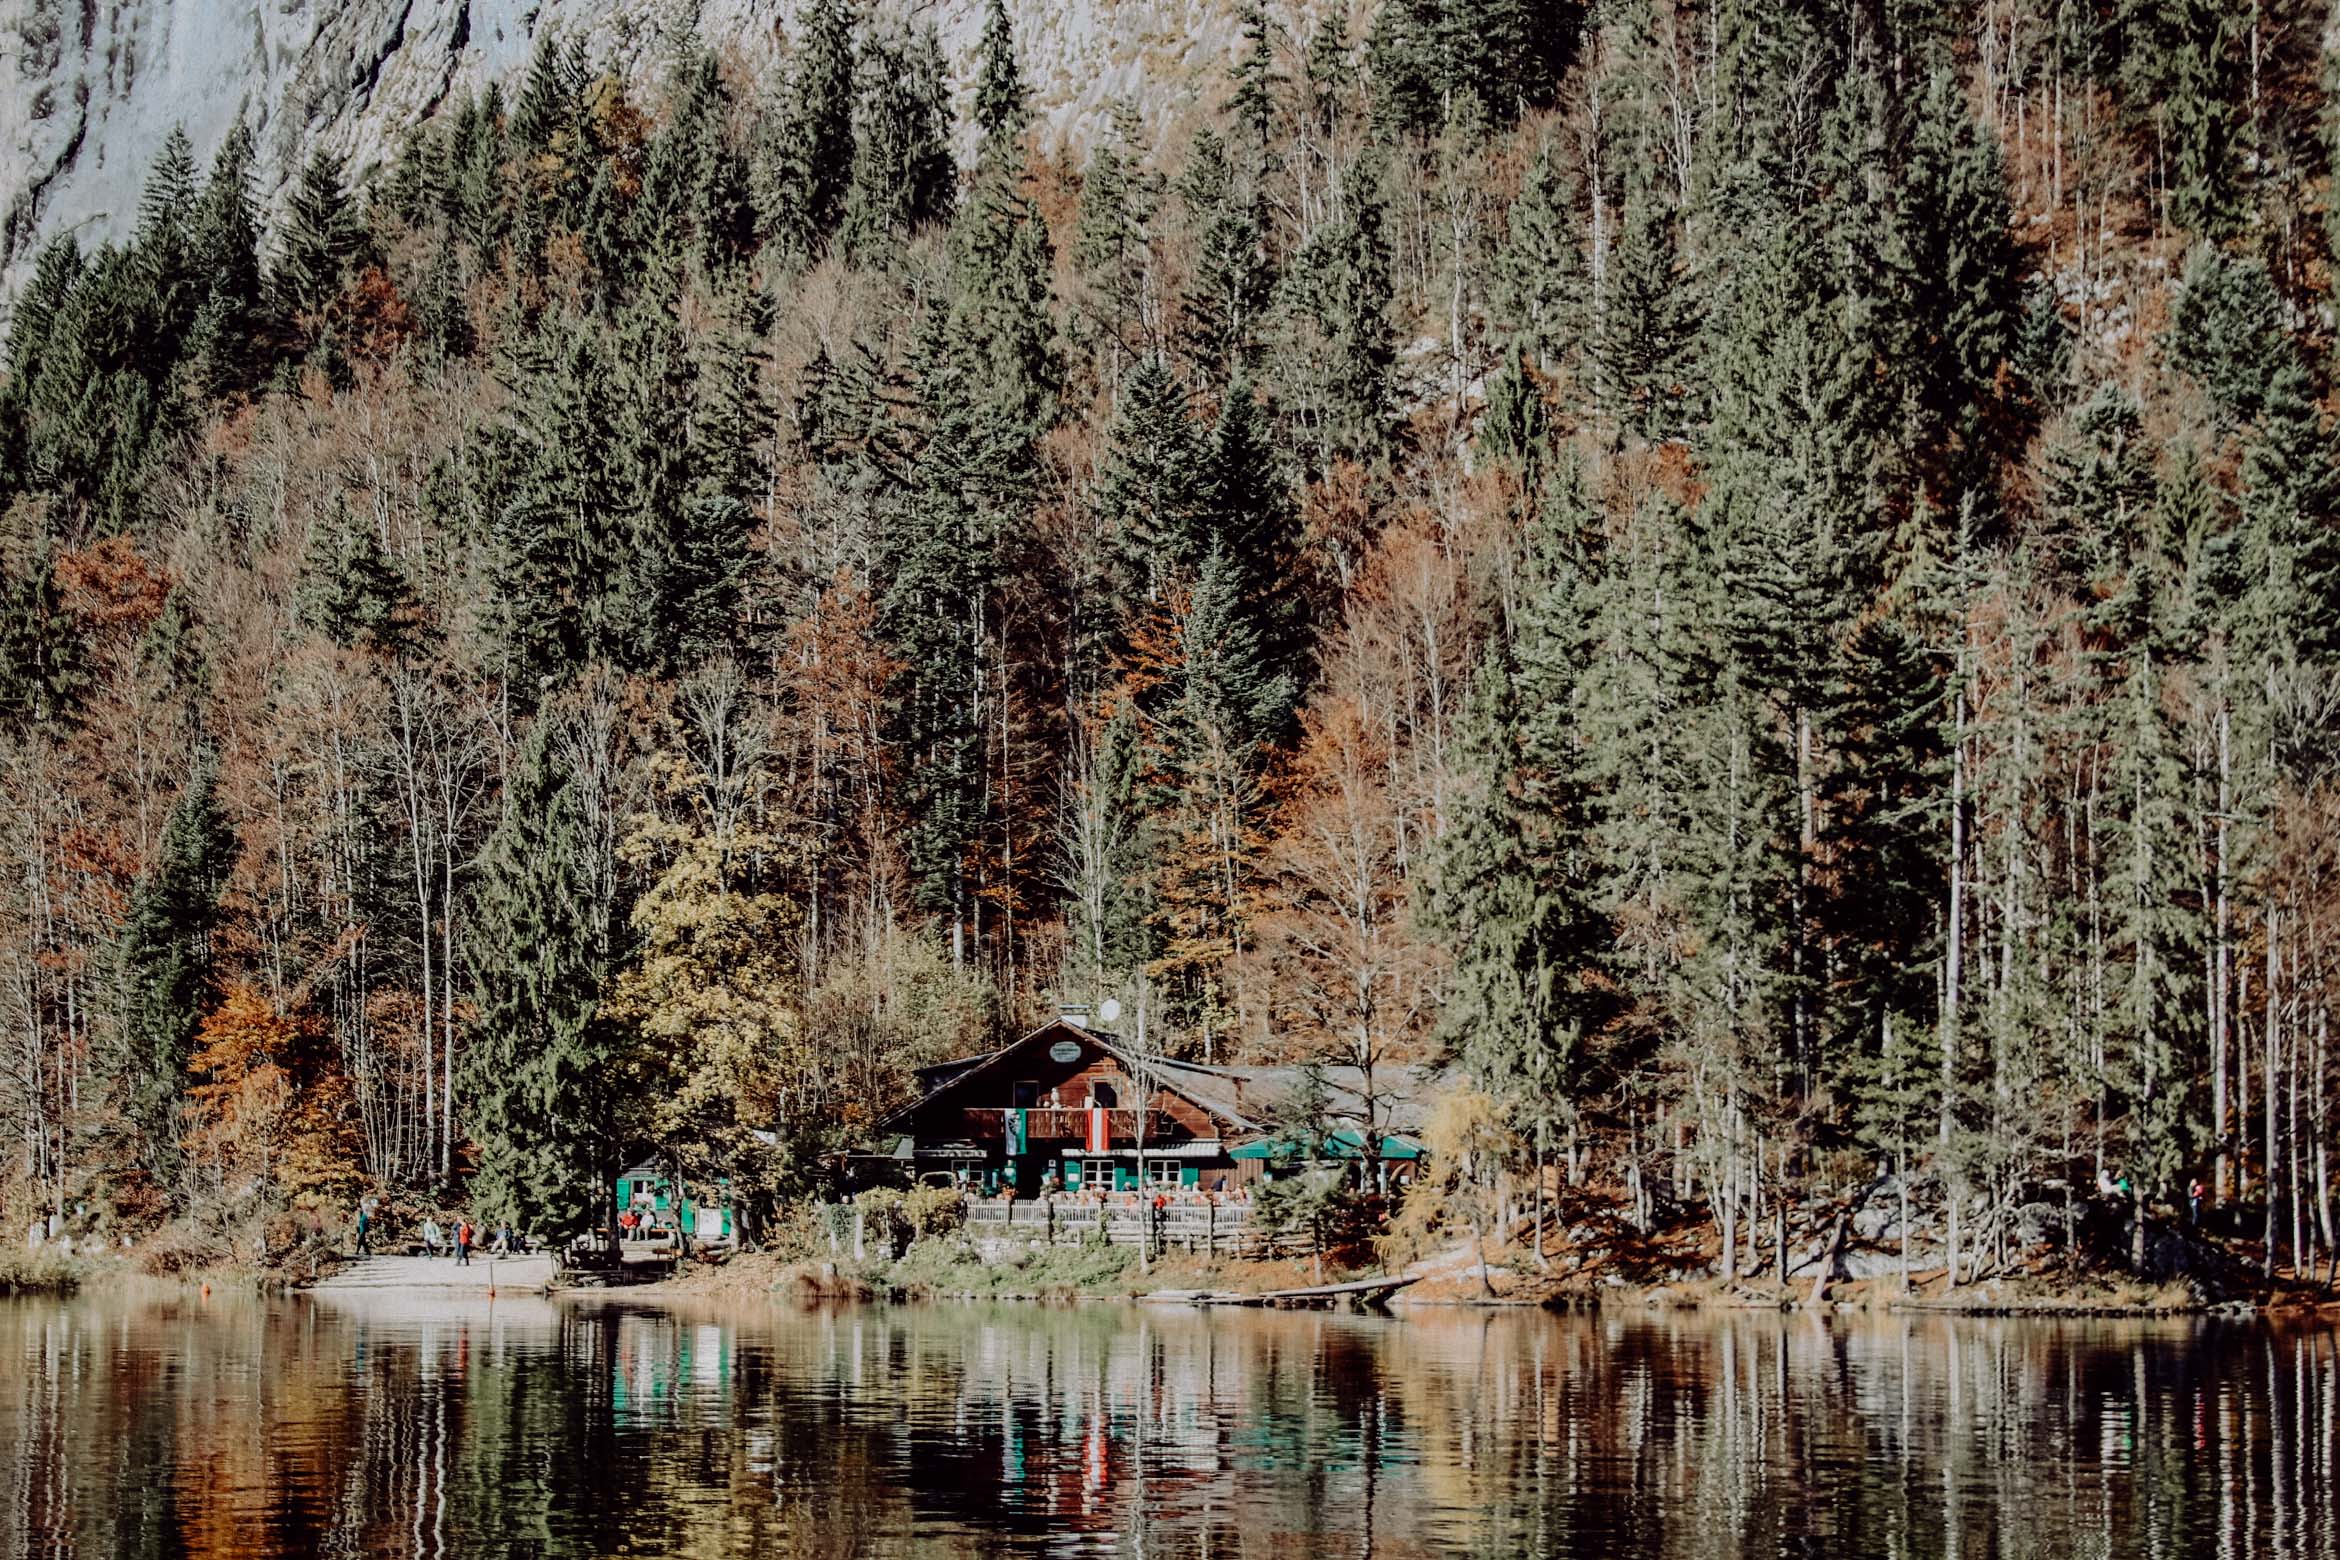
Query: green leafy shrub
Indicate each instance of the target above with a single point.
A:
(885, 1223)
(934, 1210)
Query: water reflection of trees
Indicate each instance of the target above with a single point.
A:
(530, 1428)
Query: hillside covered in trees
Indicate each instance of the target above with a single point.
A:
(1758, 576)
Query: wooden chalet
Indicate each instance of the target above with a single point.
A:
(1067, 1107)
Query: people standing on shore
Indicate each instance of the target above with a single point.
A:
(463, 1234)
(365, 1232)
(430, 1236)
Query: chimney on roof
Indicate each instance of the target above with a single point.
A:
(1073, 1013)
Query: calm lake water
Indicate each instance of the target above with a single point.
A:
(526, 1427)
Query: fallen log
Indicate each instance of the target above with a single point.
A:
(1835, 1247)
(1362, 1291)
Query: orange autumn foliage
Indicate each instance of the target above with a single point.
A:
(269, 1105)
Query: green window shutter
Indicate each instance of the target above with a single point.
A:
(1190, 1175)
(622, 1186)
(1124, 1177)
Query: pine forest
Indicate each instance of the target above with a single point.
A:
(1753, 580)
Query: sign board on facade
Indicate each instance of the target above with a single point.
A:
(1065, 1051)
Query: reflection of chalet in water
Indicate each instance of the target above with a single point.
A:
(1062, 1108)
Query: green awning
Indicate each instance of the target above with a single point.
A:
(1343, 1143)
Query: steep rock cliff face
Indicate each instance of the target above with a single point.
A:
(89, 88)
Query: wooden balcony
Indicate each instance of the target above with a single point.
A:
(1061, 1124)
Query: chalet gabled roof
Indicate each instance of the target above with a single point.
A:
(943, 1074)
(950, 1075)
(1244, 1098)
(1253, 1096)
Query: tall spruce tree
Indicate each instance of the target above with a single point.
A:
(323, 244)
(694, 195)
(1002, 106)
(1538, 284)
(805, 169)
(1643, 330)
(44, 670)
(1227, 296)
(540, 1086)
(903, 175)
(1340, 349)
(351, 588)
(165, 964)
(1150, 485)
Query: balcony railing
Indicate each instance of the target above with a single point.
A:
(1070, 1124)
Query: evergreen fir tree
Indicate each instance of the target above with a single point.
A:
(2154, 931)
(1150, 483)
(1119, 198)
(351, 589)
(1538, 285)
(903, 174)
(539, 1081)
(441, 309)
(166, 212)
(546, 117)
(43, 663)
(1254, 102)
(1002, 107)
(810, 169)
(1002, 316)
(1341, 346)
(553, 544)
(2099, 487)
(2043, 348)
(1209, 719)
(1107, 850)
(224, 245)
(1641, 338)
(694, 197)
(323, 243)
(2226, 331)
(165, 963)
(1329, 75)
(1232, 282)
(1952, 297)
(1501, 896)
(940, 562)
(1506, 55)
(225, 230)
(1247, 514)
(476, 206)
(1515, 427)
(38, 307)
(46, 299)
(2186, 73)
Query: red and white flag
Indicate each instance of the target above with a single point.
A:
(1100, 1138)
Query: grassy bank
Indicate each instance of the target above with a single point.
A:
(950, 1267)
(52, 1272)
(1588, 1263)
(43, 1272)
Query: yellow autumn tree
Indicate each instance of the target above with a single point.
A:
(712, 997)
(1467, 1144)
